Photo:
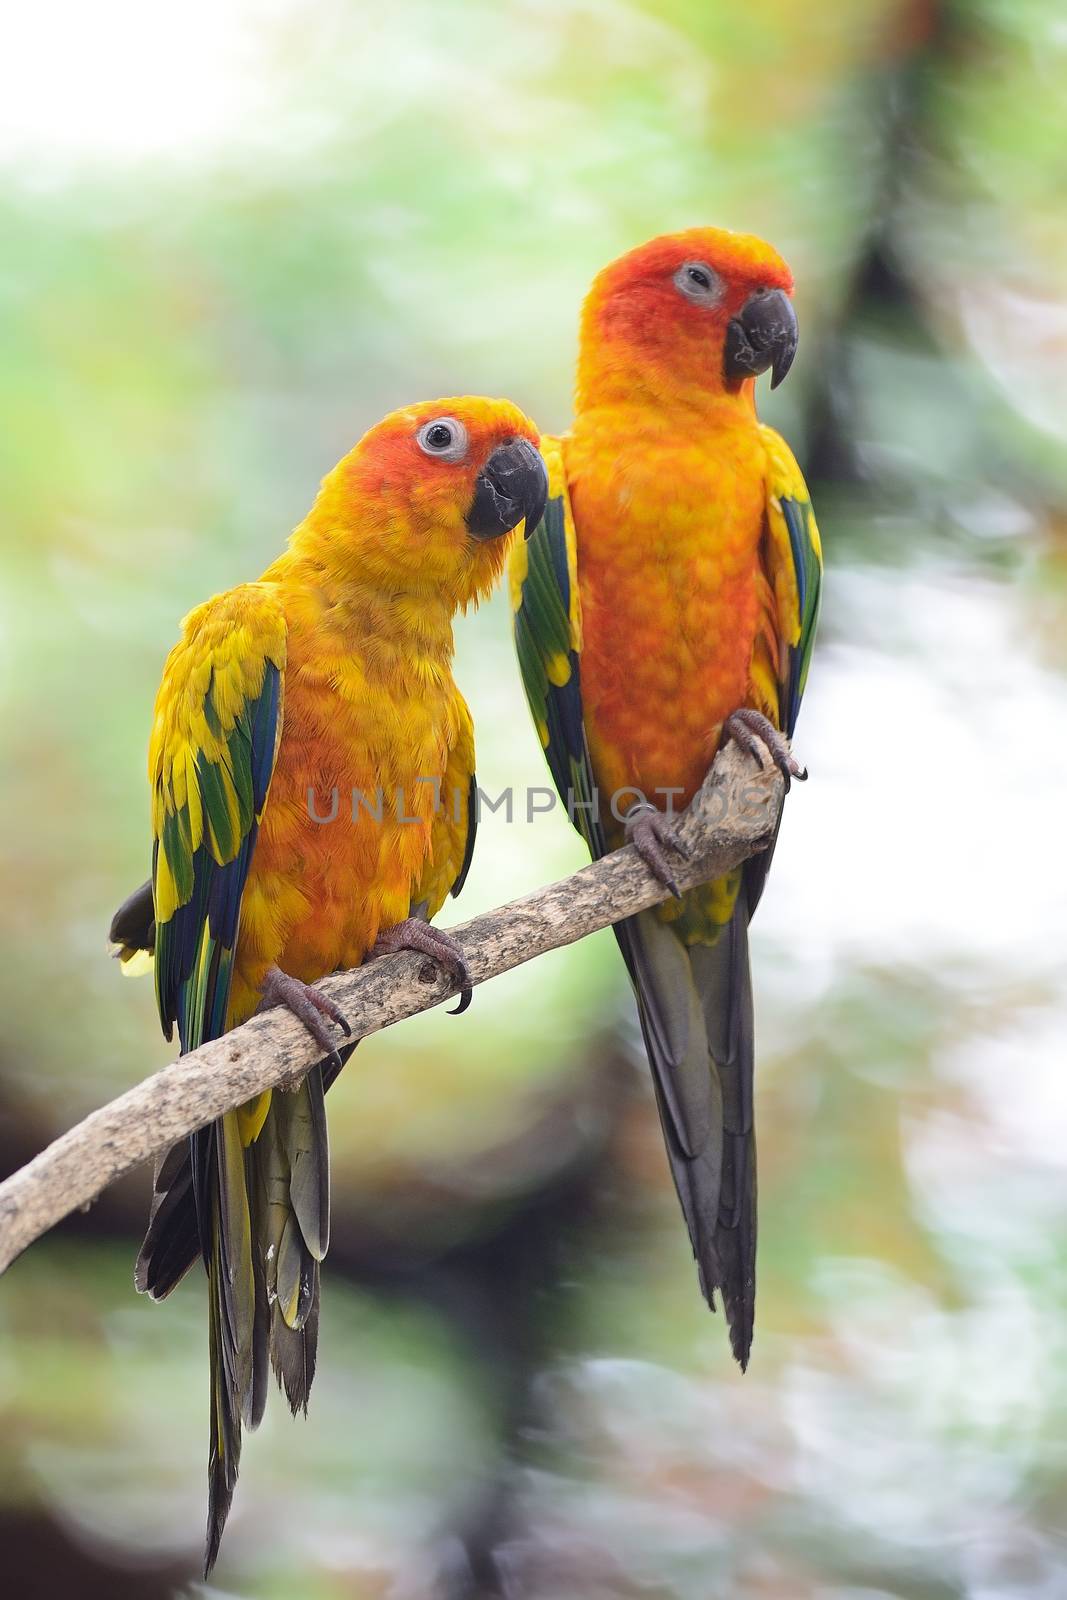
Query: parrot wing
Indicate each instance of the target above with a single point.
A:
(547, 623)
(792, 566)
(793, 563)
(214, 744)
(211, 758)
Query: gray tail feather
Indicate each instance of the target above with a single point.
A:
(293, 1351)
(293, 1223)
(172, 1241)
(695, 1006)
(260, 1217)
(233, 1312)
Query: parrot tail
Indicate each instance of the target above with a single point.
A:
(695, 1006)
(172, 1241)
(292, 1210)
(257, 1208)
(251, 1195)
(221, 1189)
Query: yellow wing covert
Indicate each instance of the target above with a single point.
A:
(214, 743)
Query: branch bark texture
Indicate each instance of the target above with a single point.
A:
(732, 817)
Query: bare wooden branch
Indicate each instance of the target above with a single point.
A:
(732, 817)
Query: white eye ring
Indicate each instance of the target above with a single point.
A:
(699, 283)
(444, 438)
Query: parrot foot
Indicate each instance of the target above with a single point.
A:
(414, 934)
(755, 733)
(652, 835)
(307, 1004)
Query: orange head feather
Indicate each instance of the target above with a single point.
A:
(669, 319)
(426, 500)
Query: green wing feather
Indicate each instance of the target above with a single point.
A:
(547, 626)
(214, 747)
(793, 558)
(806, 551)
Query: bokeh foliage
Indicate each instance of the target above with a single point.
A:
(231, 241)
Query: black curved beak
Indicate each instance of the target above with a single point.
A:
(512, 485)
(763, 335)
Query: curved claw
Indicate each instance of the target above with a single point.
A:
(755, 733)
(652, 835)
(309, 1005)
(420, 937)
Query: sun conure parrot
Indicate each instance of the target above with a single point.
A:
(330, 674)
(668, 601)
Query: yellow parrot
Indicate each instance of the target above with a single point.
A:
(312, 774)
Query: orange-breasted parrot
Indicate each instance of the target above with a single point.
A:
(324, 687)
(668, 601)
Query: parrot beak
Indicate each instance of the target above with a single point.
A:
(764, 335)
(512, 485)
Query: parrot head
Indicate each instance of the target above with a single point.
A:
(705, 310)
(425, 501)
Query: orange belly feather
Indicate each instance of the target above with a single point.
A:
(319, 892)
(672, 594)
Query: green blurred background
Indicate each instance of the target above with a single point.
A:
(233, 236)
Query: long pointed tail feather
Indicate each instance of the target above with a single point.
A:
(260, 1216)
(232, 1314)
(695, 1007)
(293, 1211)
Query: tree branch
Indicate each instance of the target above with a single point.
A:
(733, 816)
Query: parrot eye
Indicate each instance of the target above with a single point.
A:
(699, 283)
(445, 438)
